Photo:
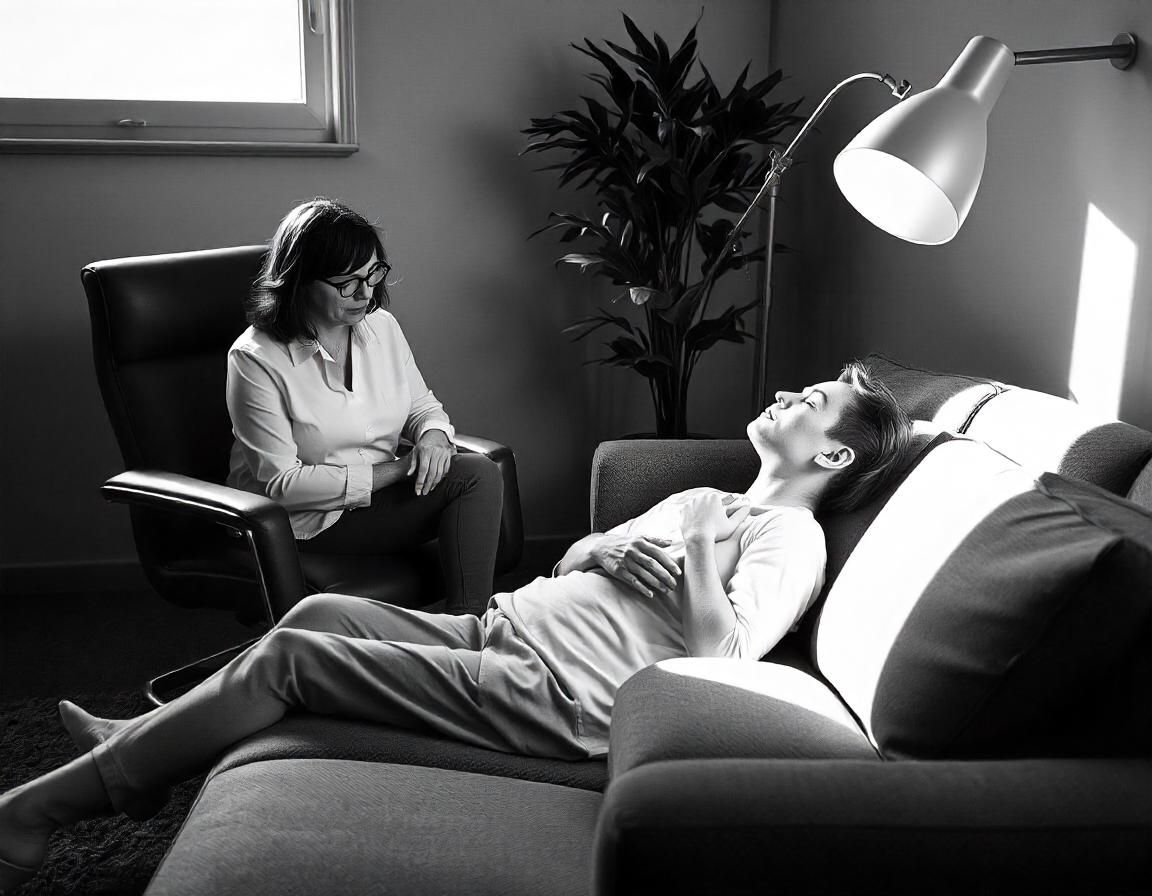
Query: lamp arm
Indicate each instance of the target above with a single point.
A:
(783, 161)
(780, 163)
(1122, 51)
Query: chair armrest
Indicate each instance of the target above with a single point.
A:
(480, 445)
(511, 546)
(744, 826)
(261, 520)
(631, 475)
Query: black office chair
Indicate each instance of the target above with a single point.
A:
(161, 329)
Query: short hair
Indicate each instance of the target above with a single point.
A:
(878, 430)
(318, 239)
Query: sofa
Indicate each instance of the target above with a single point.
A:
(966, 709)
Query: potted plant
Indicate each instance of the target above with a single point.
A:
(665, 156)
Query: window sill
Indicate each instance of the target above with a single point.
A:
(174, 147)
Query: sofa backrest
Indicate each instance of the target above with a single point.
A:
(1033, 428)
(991, 610)
(1055, 434)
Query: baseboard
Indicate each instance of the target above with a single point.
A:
(56, 578)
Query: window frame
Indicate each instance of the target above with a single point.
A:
(324, 125)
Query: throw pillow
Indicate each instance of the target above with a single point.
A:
(987, 612)
(947, 399)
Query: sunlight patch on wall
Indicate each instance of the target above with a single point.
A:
(1103, 310)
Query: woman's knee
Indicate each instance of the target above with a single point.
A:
(477, 472)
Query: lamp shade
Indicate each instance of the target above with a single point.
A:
(914, 171)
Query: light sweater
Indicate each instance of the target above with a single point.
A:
(593, 632)
(305, 440)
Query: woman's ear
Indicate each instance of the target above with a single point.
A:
(836, 458)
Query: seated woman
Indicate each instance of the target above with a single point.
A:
(322, 387)
(703, 573)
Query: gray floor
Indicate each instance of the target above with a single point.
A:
(83, 643)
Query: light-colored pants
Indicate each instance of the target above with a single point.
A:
(470, 678)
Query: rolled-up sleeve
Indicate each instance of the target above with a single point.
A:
(263, 433)
(779, 573)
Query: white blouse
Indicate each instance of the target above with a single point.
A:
(305, 440)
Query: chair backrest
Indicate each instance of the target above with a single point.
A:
(161, 329)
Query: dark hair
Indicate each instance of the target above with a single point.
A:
(318, 239)
(878, 430)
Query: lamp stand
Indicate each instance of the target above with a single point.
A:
(770, 188)
(760, 398)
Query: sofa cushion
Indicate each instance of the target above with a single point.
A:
(948, 399)
(324, 737)
(1041, 430)
(987, 612)
(844, 529)
(702, 708)
(324, 826)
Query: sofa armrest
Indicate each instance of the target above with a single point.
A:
(731, 826)
(711, 708)
(631, 475)
(261, 520)
(511, 546)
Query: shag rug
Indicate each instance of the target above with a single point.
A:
(107, 856)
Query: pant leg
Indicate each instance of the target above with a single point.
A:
(524, 702)
(520, 697)
(395, 683)
(362, 617)
(463, 512)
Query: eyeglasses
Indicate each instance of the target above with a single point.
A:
(348, 288)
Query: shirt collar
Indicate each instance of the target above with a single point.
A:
(302, 348)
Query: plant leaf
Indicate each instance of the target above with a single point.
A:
(725, 327)
(585, 261)
(595, 322)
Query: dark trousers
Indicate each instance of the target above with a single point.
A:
(463, 512)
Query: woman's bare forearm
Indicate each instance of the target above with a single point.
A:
(389, 473)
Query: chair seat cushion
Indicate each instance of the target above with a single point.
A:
(323, 737)
(701, 708)
(324, 826)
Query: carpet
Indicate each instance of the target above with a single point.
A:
(103, 857)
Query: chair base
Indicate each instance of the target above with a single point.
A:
(167, 687)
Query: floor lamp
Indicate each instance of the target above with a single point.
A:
(914, 170)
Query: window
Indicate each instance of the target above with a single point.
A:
(189, 76)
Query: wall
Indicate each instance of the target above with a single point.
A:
(444, 88)
(1002, 298)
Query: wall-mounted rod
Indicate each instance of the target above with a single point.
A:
(1122, 52)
